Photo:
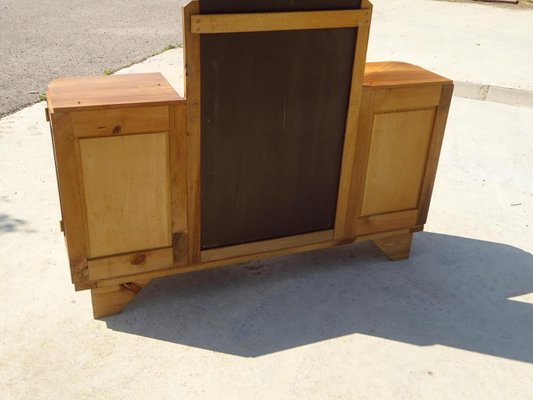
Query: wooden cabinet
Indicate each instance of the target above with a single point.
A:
(128, 176)
(117, 148)
(401, 126)
(246, 167)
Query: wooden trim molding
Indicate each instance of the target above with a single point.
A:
(192, 91)
(278, 21)
(266, 246)
(352, 122)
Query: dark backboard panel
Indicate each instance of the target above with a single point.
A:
(273, 111)
(238, 6)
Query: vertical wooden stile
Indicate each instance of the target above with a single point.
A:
(434, 153)
(178, 164)
(192, 91)
(352, 119)
(360, 163)
(72, 195)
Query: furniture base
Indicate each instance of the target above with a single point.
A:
(111, 300)
(395, 247)
(128, 168)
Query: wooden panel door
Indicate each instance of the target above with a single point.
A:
(127, 193)
(121, 213)
(397, 137)
(398, 149)
(120, 146)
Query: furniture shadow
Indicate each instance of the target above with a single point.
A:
(9, 224)
(453, 291)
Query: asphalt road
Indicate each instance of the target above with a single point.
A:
(42, 40)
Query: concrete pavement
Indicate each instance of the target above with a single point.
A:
(455, 321)
(40, 41)
(486, 49)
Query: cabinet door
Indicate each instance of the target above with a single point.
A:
(127, 196)
(397, 138)
(114, 169)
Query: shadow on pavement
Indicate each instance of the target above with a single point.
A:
(9, 224)
(453, 291)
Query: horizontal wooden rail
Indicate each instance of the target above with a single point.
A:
(266, 245)
(278, 21)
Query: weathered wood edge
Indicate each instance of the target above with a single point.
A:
(178, 185)
(352, 119)
(73, 208)
(192, 92)
(175, 270)
(277, 21)
(266, 245)
(434, 153)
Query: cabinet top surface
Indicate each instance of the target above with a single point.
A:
(113, 91)
(398, 74)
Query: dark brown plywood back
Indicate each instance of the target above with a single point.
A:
(238, 6)
(273, 111)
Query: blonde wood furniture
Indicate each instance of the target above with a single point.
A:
(119, 146)
(128, 157)
(402, 120)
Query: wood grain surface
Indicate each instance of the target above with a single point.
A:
(278, 21)
(113, 91)
(126, 182)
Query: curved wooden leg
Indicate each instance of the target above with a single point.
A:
(111, 300)
(396, 247)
